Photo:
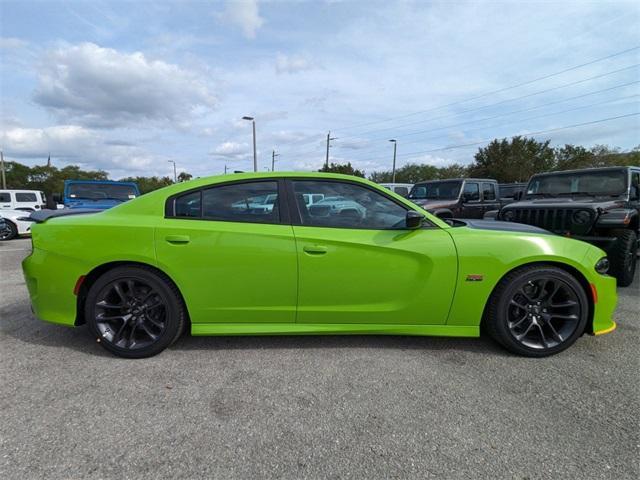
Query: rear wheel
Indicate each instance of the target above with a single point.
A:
(622, 256)
(537, 311)
(134, 312)
(9, 231)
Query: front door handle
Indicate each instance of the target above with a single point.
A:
(315, 249)
(177, 239)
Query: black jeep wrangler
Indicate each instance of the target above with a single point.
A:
(597, 205)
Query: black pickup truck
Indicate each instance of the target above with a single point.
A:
(598, 205)
(457, 197)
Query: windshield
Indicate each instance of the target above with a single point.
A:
(101, 191)
(607, 182)
(436, 190)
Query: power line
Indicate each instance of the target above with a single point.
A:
(504, 89)
(501, 102)
(498, 103)
(469, 122)
(567, 127)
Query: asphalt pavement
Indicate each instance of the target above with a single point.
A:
(312, 407)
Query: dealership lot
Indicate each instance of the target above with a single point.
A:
(313, 407)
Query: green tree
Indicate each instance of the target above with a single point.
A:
(184, 176)
(149, 184)
(345, 168)
(17, 175)
(512, 160)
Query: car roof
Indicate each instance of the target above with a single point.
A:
(580, 170)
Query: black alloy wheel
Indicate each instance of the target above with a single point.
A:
(134, 312)
(537, 311)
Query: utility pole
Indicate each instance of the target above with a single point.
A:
(393, 171)
(255, 156)
(326, 161)
(175, 176)
(225, 168)
(273, 159)
(4, 180)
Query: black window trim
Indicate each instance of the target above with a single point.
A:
(283, 205)
(296, 218)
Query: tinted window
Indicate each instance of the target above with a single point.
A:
(448, 190)
(404, 191)
(26, 197)
(188, 205)
(471, 192)
(346, 205)
(242, 202)
(603, 182)
(101, 191)
(5, 197)
(488, 191)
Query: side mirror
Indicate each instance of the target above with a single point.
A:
(414, 219)
(518, 196)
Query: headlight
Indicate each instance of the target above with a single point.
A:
(581, 217)
(508, 216)
(602, 265)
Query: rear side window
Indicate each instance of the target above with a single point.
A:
(404, 191)
(471, 192)
(488, 191)
(253, 202)
(26, 197)
(5, 197)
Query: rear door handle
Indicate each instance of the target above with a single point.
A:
(177, 239)
(315, 249)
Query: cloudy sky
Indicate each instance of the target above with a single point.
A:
(127, 86)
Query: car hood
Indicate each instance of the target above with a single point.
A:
(499, 226)
(605, 204)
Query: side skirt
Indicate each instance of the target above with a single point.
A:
(203, 329)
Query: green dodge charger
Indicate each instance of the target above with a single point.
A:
(309, 253)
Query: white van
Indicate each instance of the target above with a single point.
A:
(27, 200)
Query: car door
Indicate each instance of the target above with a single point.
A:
(471, 203)
(489, 198)
(233, 262)
(359, 264)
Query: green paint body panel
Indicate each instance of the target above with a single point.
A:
(247, 278)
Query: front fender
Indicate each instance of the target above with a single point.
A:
(490, 254)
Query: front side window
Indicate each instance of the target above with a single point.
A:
(255, 202)
(26, 197)
(488, 191)
(471, 192)
(345, 205)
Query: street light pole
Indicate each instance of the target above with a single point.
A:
(175, 177)
(326, 160)
(393, 171)
(255, 156)
(4, 179)
(273, 159)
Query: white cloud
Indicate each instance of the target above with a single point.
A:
(232, 150)
(102, 87)
(11, 43)
(75, 144)
(244, 14)
(292, 63)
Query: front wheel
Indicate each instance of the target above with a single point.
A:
(134, 312)
(537, 311)
(623, 257)
(8, 232)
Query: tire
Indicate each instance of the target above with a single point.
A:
(622, 256)
(134, 312)
(546, 302)
(10, 232)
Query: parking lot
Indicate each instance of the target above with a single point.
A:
(313, 407)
